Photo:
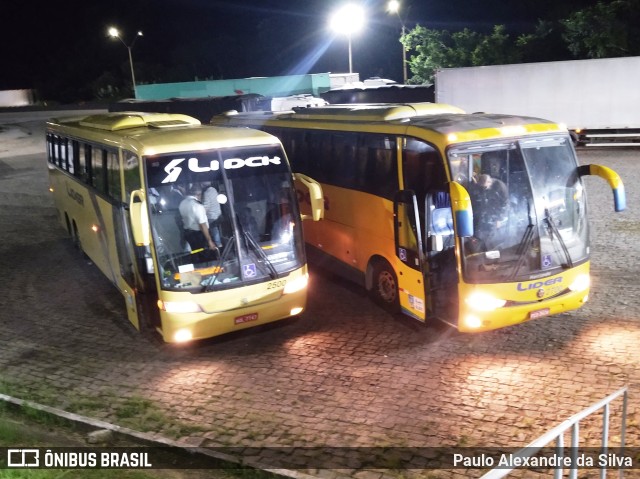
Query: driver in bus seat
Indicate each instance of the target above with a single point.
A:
(249, 223)
(490, 200)
(279, 218)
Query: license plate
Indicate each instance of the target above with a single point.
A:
(246, 318)
(539, 313)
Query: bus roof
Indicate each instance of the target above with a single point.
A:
(129, 119)
(153, 133)
(358, 111)
(440, 118)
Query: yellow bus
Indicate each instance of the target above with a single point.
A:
(119, 183)
(479, 220)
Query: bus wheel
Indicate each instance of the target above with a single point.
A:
(384, 286)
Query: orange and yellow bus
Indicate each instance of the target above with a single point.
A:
(479, 220)
(118, 180)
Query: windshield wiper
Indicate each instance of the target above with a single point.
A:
(525, 242)
(554, 232)
(250, 240)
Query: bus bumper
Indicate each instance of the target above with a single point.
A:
(560, 293)
(185, 327)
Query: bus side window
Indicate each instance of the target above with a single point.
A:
(98, 170)
(82, 161)
(343, 160)
(314, 155)
(422, 168)
(377, 165)
(131, 174)
(74, 162)
(113, 176)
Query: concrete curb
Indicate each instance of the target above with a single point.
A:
(87, 424)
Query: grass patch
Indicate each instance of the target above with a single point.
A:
(144, 415)
(86, 405)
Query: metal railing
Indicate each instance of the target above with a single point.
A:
(573, 424)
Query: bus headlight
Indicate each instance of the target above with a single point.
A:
(296, 285)
(484, 301)
(179, 306)
(581, 283)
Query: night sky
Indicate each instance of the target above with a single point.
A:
(63, 44)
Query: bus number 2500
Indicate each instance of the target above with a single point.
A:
(276, 284)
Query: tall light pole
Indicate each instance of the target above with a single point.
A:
(114, 33)
(394, 7)
(348, 20)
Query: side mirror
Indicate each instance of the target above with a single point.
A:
(611, 177)
(139, 218)
(316, 199)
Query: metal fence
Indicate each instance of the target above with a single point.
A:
(573, 425)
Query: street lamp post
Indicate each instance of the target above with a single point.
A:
(348, 20)
(114, 33)
(394, 7)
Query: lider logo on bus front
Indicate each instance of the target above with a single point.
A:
(173, 170)
(539, 286)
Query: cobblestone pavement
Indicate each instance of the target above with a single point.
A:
(344, 374)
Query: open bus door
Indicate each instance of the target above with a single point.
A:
(448, 215)
(410, 270)
(135, 236)
(428, 273)
(441, 279)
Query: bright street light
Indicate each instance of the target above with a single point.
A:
(348, 20)
(114, 33)
(394, 7)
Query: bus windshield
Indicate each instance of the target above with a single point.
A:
(252, 215)
(529, 208)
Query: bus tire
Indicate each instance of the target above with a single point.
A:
(384, 286)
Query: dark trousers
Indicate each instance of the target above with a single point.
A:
(195, 239)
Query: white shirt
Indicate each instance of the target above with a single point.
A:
(193, 213)
(210, 202)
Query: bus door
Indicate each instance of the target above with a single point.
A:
(409, 255)
(124, 246)
(142, 266)
(442, 276)
(423, 173)
(130, 219)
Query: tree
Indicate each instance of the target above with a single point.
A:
(604, 30)
(436, 49)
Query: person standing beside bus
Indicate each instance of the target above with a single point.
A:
(194, 220)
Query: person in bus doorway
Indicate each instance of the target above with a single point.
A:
(212, 207)
(195, 223)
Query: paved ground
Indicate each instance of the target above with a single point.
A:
(344, 374)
